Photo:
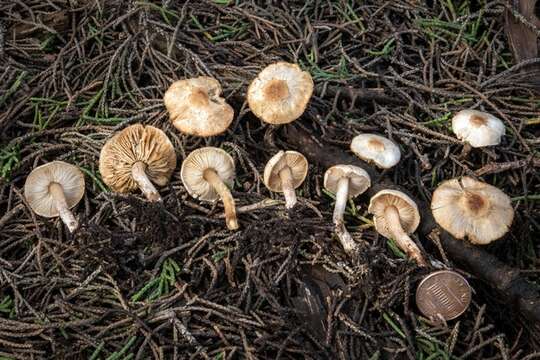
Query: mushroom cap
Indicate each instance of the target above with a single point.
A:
(136, 143)
(409, 215)
(377, 149)
(359, 180)
(280, 93)
(467, 207)
(193, 167)
(196, 108)
(478, 128)
(294, 160)
(36, 187)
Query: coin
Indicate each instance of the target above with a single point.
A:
(443, 294)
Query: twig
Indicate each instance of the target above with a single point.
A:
(494, 168)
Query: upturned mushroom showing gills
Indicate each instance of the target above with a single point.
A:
(376, 149)
(284, 172)
(196, 107)
(137, 158)
(469, 208)
(53, 189)
(346, 181)
(280, 93)
(477, 128)
(395, 216)
(207, 174)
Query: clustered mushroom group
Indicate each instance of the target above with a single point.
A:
(142, 157)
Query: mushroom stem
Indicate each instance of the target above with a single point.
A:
(403, 240)
(138, 171)
(342, 195)
(465, 150)
(285, 175)
(61, 205)
(228, 202)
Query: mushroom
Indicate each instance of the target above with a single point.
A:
(284, 172)
(280, 93)
(468, 207)
(206, 173)
(395, 216)
(376, 149)
(53, 189)
(196, 108)
(346, 181)
(477, 128)
(137, 157)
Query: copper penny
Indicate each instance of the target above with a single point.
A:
(443, 294)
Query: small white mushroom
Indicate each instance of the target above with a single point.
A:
(284, 172)
(206, 173)
(346, 181)
(478, 128)
(376, 149)
(469, 208)
(280, 93)
(53, 189)
(396, 216)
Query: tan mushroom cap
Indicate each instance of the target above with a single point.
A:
(196, 108)
(359, 180)
(409, 215)
(294, 160)
(193, 167)
(478, 128)
(469, 208)
(280, 93)
(135, 143)
(36, 188)
(377, 149)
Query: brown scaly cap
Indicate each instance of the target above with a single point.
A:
(196, 108)
(280, 93)
(469, 208)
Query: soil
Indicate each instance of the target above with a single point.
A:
(168, 281)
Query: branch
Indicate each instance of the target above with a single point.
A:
(521, 27)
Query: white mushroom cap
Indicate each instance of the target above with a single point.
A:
(193, 167)
(196, 108)
(377, 149)
(409, 215)
(280, 93)
(294, 160)
(467, 207)
(346, 181)
(478, 128)
(36, 188)
(359, 180)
